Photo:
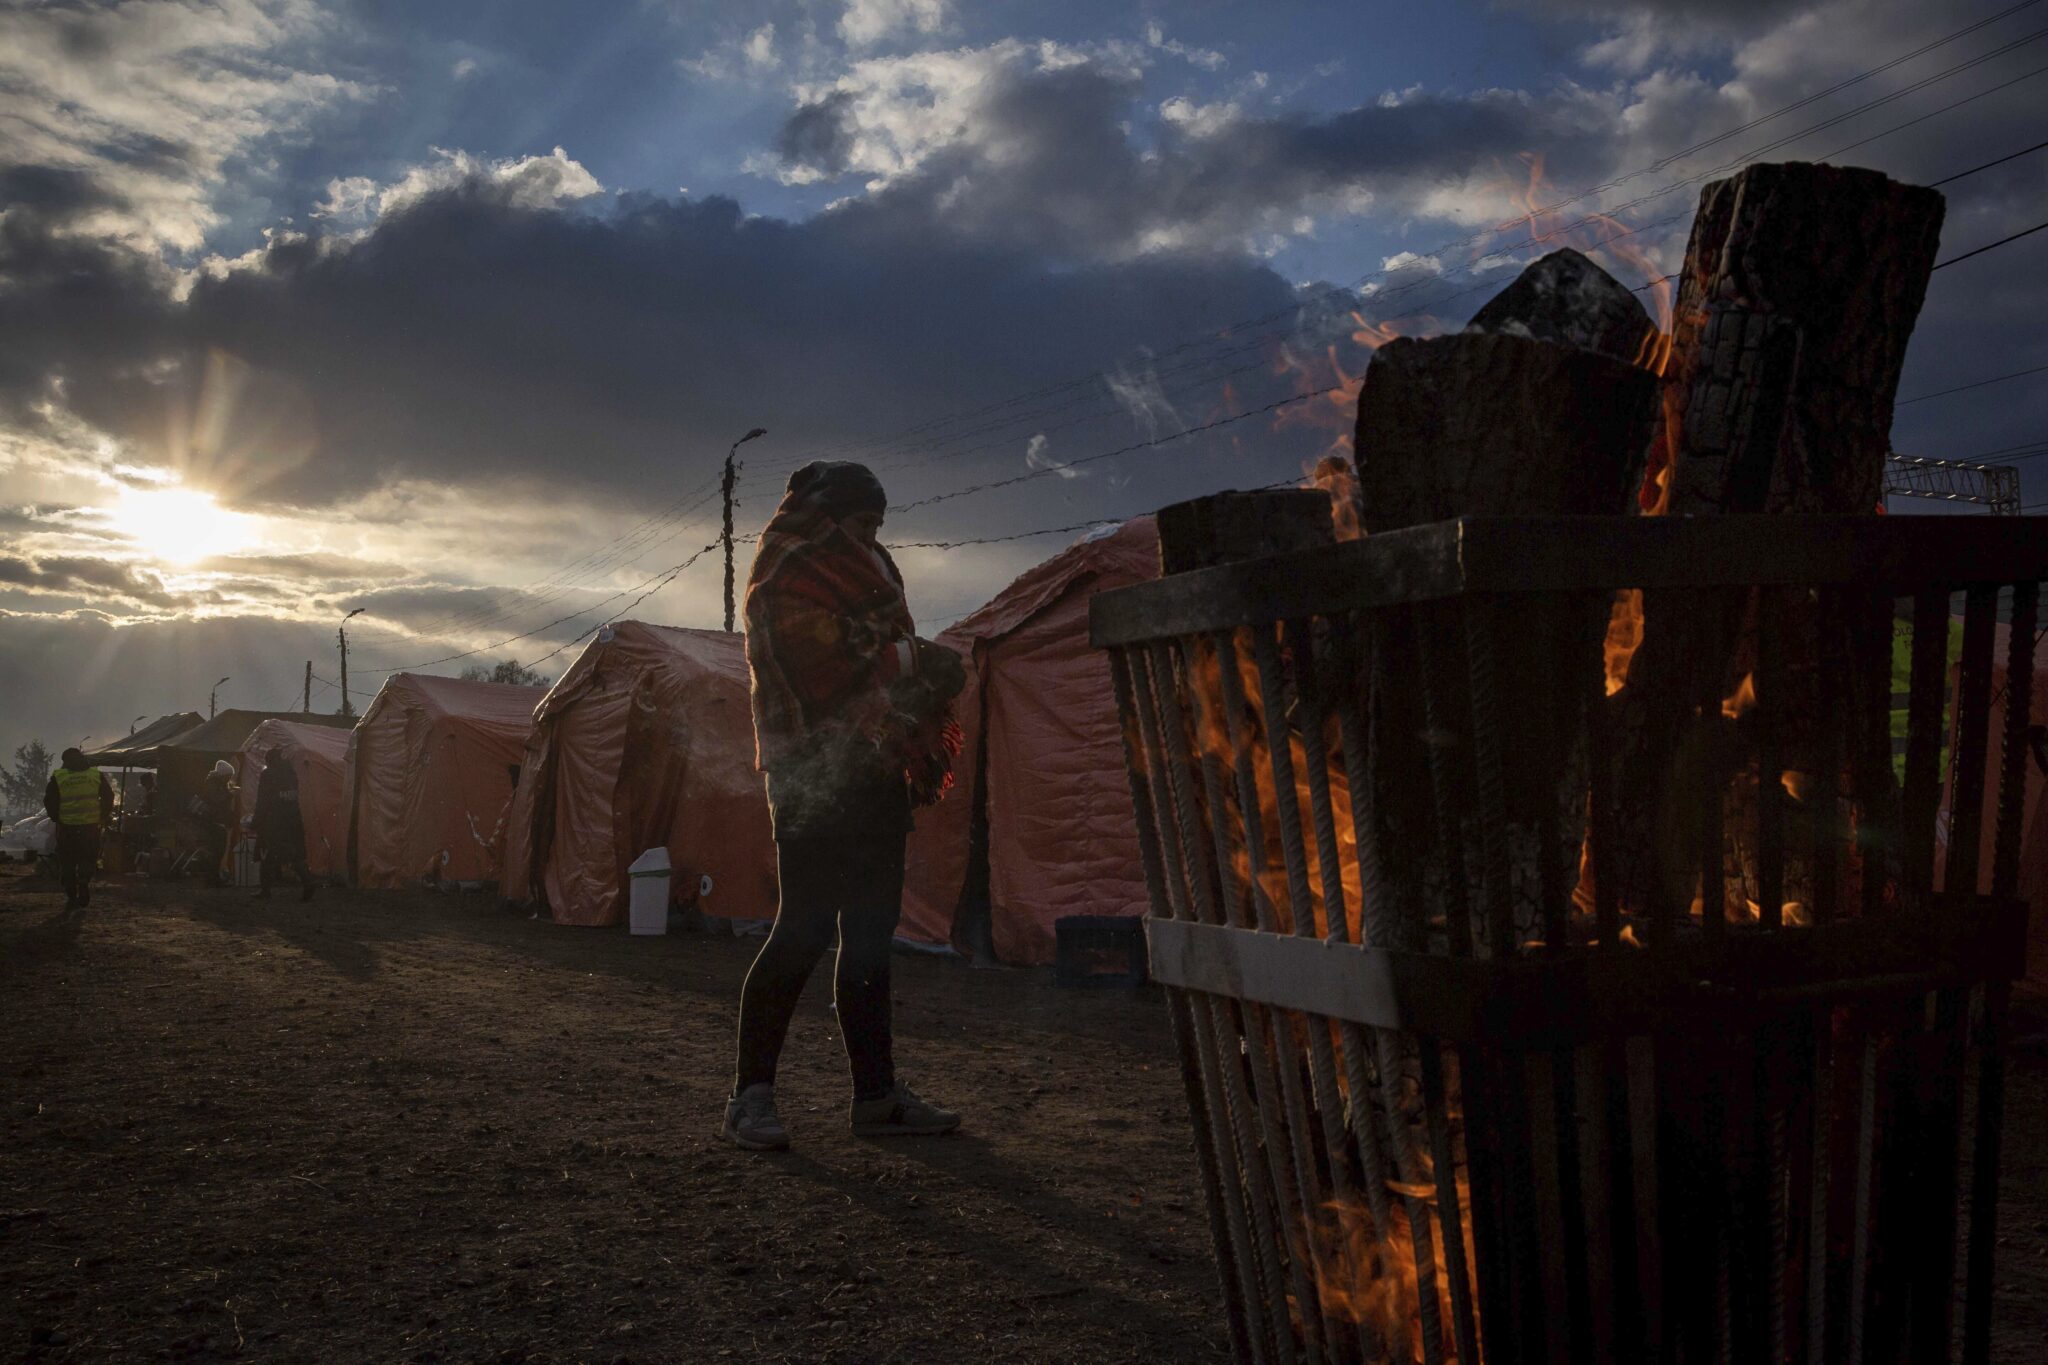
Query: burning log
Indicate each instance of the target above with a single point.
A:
(1798, 296)
(1360, 772)
(1495, 425)
(1565, 298)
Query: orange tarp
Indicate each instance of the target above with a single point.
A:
(320, 753)
(429, 773)
(647, 740)
(1044, 740)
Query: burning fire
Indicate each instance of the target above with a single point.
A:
(1742, 700)
(1335, 476)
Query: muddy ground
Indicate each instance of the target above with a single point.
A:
(393, 1127)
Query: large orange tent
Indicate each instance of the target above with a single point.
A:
(320, 754)
(647, 741)
(1042, 772)
(430, 769)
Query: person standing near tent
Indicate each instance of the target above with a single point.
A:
(280, 829)
(215, 807)
(853, 727)
(78, 800)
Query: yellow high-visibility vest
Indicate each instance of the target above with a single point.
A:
(78, 796)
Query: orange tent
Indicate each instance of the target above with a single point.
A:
(430, 768)
(647, 740)
(320, 753)
(1043, 766)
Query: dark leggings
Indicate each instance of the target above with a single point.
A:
(78, 856)
(852, 877)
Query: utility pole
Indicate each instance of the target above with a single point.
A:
(212, 698)
(341, 633)
(731, 477)
(306, 698)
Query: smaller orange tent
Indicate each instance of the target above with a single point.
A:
(430, 768)
(1043, 764)
(320, 753)
(647, 741)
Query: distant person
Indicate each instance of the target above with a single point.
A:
(78, 800)
(216, 810)
(853, 726)
(280, 829)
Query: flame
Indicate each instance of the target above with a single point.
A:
(1373, 335)
(1739, 702)
(1335, 476)
(1597, 235)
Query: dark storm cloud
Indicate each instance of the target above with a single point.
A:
(309, 567)
(52, 193)
(819, 135)
(467, 339)
(1045, 156)
(88, 577)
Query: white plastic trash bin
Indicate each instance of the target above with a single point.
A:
(648, 903)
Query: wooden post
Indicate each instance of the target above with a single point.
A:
(306, 696)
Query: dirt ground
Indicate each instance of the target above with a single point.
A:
(420, 1128)
(390, 1127)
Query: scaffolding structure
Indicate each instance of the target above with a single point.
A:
(1992, 486)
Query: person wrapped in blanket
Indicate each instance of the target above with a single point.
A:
(854, 729)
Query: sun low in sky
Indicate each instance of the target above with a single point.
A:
(179, 525)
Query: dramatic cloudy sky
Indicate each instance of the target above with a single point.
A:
(450, 311)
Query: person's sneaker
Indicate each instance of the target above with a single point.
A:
(750, 1120)
(901, 1114)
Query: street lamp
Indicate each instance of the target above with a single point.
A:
(731, 474)
(342, 634)
(211, 697)
(131, 724)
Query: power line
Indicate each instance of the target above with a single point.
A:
(2011, 156)
(594, 563)
(1155, 442)
(1995, 379)
(670, 577)
(1990, 246)
(560, 620)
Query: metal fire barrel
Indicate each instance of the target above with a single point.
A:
(1526, 1018)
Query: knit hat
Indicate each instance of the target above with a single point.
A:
(223, 768)
(838, 488)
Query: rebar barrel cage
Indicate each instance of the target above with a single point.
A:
(1526, 1019)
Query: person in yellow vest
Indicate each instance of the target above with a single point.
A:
(78, 800)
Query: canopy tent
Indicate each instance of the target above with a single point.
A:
(139, 749)
(182, 763)
(647, 741)
(320, 754)
(429, 771)
(1040, 784)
